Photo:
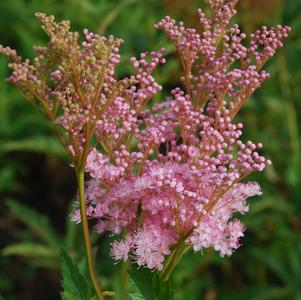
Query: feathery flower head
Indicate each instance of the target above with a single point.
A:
(165, 175)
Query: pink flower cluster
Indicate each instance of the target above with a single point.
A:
(164, 175)
(189, 191)
(182, 182)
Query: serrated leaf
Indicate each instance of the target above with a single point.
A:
(75, 285)
(142, 285)
(37, 222)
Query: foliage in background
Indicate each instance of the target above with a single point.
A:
(269, 263)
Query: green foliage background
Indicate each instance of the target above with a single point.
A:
(35, 180)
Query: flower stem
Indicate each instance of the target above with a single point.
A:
(86, 234)
(172, 261)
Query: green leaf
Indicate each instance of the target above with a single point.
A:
(142, 285)
(37, 222)
(274, 264)
(29, 250)
(272, 204)
(36, 254)
(113, 14)
(135, 293)
(35, 144)
(275, 293)
(72, 232)
(162, 288)
(148, 285)
(75, 285)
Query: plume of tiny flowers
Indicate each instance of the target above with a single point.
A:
(74, 84)
(167, 174)
(182, 182)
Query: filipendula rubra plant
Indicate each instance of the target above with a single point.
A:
(167, 177)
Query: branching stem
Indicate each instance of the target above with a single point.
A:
(173, 259)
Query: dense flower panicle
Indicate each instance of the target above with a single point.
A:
(167, 174)
(75, 85)
(208, 58)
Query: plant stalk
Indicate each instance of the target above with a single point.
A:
(86, 234)
(172, 261)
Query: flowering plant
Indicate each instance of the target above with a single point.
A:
(166, 177)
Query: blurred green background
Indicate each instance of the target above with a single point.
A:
(37, 185)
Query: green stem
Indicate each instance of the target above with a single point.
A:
(86, 234)
(124, 278)
(172, 261)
